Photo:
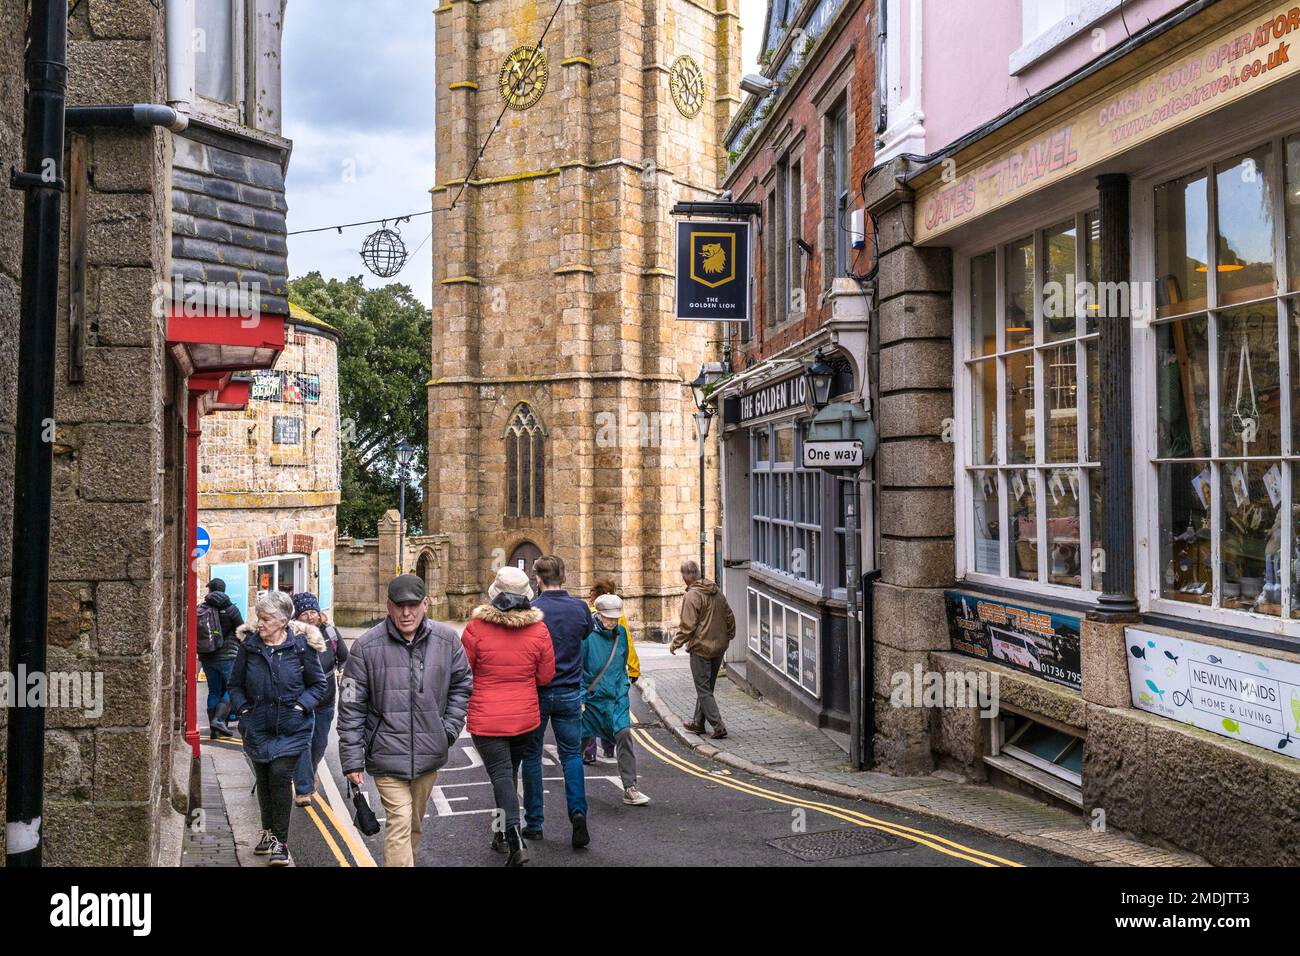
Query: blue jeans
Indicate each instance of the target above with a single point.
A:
(304, 774)
(563, 708)
(218, 675)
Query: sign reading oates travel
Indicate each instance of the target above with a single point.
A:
(1238, 61)
(1231, 693)
(713, 271)
(1025, 639)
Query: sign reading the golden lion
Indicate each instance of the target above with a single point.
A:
(713, 271)
(1254, 54)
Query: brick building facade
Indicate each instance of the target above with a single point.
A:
(559, 418)
(800, 152)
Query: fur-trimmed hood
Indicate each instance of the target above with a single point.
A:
(315, 640)
(520, 618)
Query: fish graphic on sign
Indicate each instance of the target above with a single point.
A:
(713, 258)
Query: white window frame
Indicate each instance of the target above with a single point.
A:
(300, 574)
(237, 111)
(1037, 47)
(1144, 354)
(963, 481)
(777, 607)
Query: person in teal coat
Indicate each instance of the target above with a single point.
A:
(606, 712)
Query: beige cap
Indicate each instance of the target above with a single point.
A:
(510, 580)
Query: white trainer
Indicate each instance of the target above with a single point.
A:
(634, 797)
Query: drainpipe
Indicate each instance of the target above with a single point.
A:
(47, 81)
(193, 431)
(137, 114)
(180, 54)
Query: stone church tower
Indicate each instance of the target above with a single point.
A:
(560, 408)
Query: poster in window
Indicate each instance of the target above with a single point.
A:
(753, 619)
(792, 668)
(286, 430)
(809, 677)
(1042, 643)
(764, 628)
(268, 386)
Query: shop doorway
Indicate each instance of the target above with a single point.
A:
(287, 574)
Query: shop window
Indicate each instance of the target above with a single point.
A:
(786, 638)
(1031, 449)
(1225, 439)
(786, 506)
(525, 465)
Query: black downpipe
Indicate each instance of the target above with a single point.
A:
(47, 81)
(869, 669)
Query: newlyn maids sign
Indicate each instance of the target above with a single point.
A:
(713, 271)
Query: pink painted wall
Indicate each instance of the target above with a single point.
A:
(966, 79)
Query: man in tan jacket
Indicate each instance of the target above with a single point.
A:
(706, 628)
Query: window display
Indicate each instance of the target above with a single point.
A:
(787, 639)
(1034, 438)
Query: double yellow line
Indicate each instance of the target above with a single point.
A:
(359, 854)
(934, 842)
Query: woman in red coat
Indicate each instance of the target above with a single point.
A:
(511, 655)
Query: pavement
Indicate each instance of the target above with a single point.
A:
(768, 743)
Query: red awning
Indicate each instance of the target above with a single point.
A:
(220, 343)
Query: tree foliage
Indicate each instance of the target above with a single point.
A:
(384, 368)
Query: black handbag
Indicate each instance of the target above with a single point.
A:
(362, 815)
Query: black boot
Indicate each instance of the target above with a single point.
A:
(518, 849)
(499, 842)
(217, 721)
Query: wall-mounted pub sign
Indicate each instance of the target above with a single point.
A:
(713, 268)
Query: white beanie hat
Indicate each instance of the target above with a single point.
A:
(510, 580)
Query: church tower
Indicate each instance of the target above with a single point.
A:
(559, 407)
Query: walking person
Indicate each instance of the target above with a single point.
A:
(606, 711)
(707, 627)
(306, 608)
(510, 654)
(218, 621)
(406, 687)
(275, 686)
(568, 619)
(607, 586)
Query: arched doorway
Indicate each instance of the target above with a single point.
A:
(523, 556)
(424, 571)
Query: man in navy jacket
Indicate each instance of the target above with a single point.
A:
(569, 620)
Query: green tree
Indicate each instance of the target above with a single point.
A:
(384, 368)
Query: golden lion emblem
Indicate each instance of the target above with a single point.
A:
(715, 260)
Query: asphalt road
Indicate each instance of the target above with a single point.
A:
(702, 814)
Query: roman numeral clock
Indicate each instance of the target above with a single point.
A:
(686, 83)
(523, 76)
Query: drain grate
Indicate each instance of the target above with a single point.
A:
(838, 844)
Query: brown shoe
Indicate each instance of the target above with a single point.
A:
(719, 734)
(694, 728)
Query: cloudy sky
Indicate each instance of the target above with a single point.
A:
(358, 105)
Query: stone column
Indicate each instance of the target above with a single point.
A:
(913, 466)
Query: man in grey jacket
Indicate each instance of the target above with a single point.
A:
(403, 702)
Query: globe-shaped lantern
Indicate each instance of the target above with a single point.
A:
(384, 253)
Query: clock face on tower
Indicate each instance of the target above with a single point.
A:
(686, 83)
(522, 79)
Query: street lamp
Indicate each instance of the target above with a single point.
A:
(404, 454)
(703, 418)
(821, 378)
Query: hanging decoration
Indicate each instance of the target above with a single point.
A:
(383, 252)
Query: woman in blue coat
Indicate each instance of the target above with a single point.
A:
(276, 685)
(606, 712)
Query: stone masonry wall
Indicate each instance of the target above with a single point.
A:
(113, 599)
(914, 466)
(554, 286)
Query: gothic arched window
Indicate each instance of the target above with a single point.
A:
(525, 464)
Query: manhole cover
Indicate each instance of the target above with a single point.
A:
(838, 844)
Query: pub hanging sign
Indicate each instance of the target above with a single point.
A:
(713, 271)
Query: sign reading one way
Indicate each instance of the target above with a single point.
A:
(832, 454)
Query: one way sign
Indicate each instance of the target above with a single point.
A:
(832, 454)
